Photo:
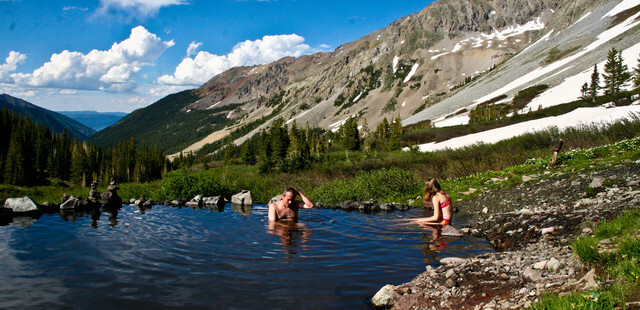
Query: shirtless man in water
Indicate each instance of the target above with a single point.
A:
(287, 208)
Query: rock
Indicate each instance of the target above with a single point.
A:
(596, 182)
(465, 230)
(453, 261)
(70, 204)
(590, 280)
(470, 191)
(485, 210)
(21, 205)
(526, 178)
(525, 211)
(385, 296)
(548, 230)
(451, 231)
(540, 265)
(450, 273)
(242, 198)
(532, 275)
(450, 283)
(553, 264)
(94, 195)
(49, 207)
(213, 201)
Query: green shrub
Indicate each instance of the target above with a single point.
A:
(577, 301)
(587, 249)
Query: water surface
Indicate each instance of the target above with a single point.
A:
(214, 259)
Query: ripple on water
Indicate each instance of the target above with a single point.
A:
(182, 257)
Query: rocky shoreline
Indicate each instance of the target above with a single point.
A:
(531, 226)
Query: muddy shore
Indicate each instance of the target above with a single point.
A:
(531, 226)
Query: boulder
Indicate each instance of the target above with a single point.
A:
(195, 202)
(242, 198)
(385, 296)
(70, 204)
(213, 201)
(21, 205)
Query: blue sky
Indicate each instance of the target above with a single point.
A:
(121, 55)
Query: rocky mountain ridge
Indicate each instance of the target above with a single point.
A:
(421, 67)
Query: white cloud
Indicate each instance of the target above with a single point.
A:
(193, 48)
(74, 8)
(11, 64)
(136, 8)
(113, 70)
(201, 68)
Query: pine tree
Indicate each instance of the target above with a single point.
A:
(595, 84)
(636, 76)
(616, 73)
(584, 92)
(248, 153)
(395, 134)
(351, 135)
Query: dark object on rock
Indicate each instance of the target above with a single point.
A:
(21, 205)
(556, 150)
(49, 207)
(242, 198)
(64, 198)
(111, 198)
(94, 195)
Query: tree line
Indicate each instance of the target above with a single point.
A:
(31, 154)
(287, 148)
(615, 77)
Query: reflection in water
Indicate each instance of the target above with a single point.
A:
(242, 209)
(434, 242)
(290, 233)
(113, 215)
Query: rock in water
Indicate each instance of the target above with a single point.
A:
(451, 231)
(384, 297)
(21, 205)
(242, 198)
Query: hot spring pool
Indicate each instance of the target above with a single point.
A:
(200, 258)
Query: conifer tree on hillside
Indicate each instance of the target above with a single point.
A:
(616, 73)
(395, 134)
(584, 91)
(350, 136)
(595, 84)
(636, 76)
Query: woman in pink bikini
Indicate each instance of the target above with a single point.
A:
(441, 202)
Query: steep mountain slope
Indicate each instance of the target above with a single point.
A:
(424, 66)
(95, 120)
(55, 121)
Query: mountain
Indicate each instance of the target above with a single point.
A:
(96, 120)
(55, 121)
(434, 65)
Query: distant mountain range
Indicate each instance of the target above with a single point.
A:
(435, 65)
(54, 120)
(96, 120)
